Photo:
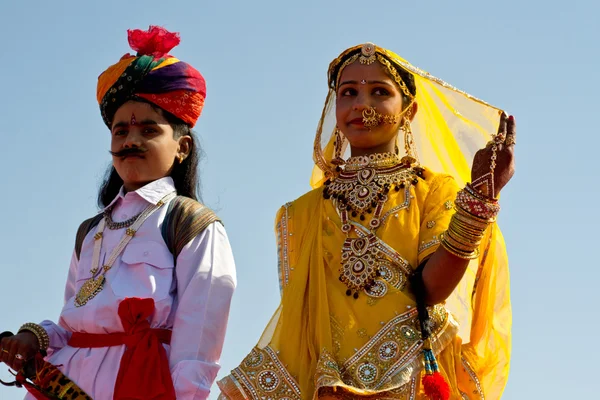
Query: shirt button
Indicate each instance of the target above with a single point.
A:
(145, 253)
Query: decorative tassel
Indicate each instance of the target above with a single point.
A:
(434, 384)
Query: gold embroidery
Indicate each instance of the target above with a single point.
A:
(282, 248)
(426, 245)
(391, 356)
(337, 334)
(262, 376)
(430, 224)
(448, 205)
(402, 206)
(474, 378)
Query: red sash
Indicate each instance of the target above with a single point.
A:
(144, 371)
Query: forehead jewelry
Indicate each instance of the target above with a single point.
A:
(363, 82)
(367, 54)
(133, 120)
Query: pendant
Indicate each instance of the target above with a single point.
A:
(89, 290)
(359, 263)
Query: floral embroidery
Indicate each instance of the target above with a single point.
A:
(263, 376)
(392, 354)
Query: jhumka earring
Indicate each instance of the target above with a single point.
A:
(409, 143)
(338, 147)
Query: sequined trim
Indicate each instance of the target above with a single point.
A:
(413, 388)
(399, 207)
(282, 249)
(427, 245)
(392, 354)
(262, 376)
(474, 378)
(328, 383)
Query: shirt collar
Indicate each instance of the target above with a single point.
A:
(153, 192)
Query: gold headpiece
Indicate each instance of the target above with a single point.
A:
(367, 54)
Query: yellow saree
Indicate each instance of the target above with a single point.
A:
(324, 344)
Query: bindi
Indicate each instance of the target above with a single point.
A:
(133, 121)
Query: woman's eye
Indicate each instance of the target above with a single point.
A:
(381, 92)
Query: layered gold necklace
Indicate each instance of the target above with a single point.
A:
(361, 190)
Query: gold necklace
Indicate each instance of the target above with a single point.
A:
(356, 192)
(94, 285)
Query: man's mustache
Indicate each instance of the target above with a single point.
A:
(133, 151)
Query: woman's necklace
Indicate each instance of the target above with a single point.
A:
(95, 283)
(359, 190)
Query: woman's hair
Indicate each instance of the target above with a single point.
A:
(184, 174)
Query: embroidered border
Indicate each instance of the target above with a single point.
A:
(399, 207)
(474, 377)
(391, 355)
(427, 245)
(263, 376)
(283, 265)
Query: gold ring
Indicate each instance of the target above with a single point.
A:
(510, 140)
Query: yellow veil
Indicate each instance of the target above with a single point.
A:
(449, 128)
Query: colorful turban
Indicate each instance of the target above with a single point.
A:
(152, 75)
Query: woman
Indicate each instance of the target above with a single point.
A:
(394, 282)
(152, 276)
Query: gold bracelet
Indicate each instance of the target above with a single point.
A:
(460, 254)
(471, 222)
(469, 216)
(466, 231)
(460, 243)
(39, 332)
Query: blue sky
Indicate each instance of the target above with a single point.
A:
(265, 64)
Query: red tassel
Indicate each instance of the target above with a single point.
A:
(436, 387)
(156, 41)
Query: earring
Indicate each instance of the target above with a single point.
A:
(338, 147)
(409, 143)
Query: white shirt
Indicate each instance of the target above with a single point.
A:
(192, 299)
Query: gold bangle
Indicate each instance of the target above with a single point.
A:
(39, 332)
(465, 229)
(456, 242)
(460, 254)
(471, 222)
(471, 217)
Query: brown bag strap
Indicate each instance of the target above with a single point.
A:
(185, 219)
